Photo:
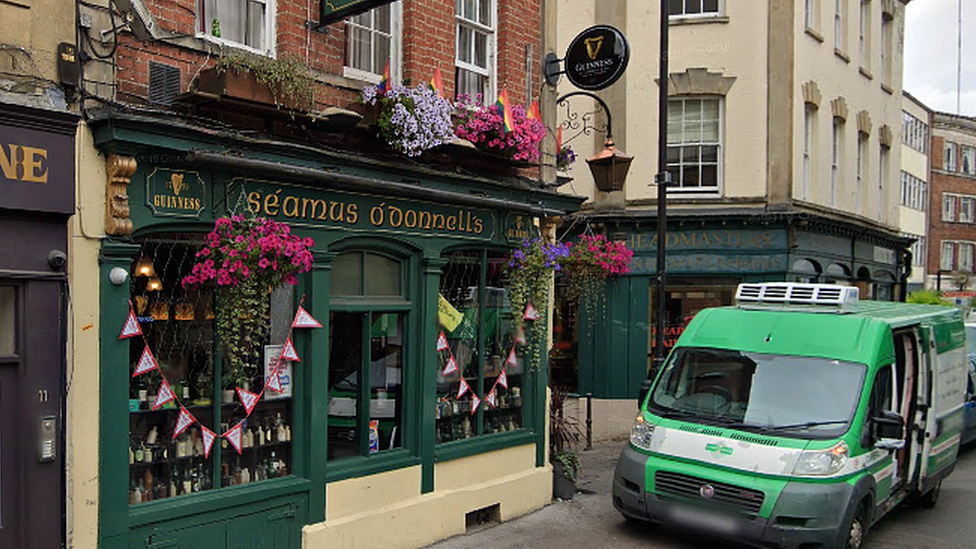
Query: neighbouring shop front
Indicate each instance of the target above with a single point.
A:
(374, 402)
(707, 258)
(37, 197)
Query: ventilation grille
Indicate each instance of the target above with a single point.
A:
(752, 439)
(164, 83)
(701, 430)
(836, 298)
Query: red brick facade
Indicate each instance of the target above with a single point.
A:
(428, 41)
(941, 183)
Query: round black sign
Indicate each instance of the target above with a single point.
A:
(597, 57)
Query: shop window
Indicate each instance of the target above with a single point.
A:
(248, 23)
(477, 322)
(372, 41)
(682, 303)
(367, 331)
(475, 55)
(8, 327)
(179, 327)
(694, 144)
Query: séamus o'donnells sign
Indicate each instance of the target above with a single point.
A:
(596, 58)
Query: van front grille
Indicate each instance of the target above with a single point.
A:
(728, 496)
(754, 439)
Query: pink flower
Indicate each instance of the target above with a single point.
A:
(290, 279)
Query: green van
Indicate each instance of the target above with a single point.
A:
(798, 417)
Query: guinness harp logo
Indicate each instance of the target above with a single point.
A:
(176, 181)
(593, 46)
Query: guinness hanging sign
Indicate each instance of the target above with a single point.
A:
(596, 57)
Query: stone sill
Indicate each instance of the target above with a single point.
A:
(815, 34)
(697, 20)
(842, 55)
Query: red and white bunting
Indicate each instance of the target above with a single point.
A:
(442, 342)
(131, 327)
(530, 313)
(273, 382)
(512, 359)
(164, 395)
(475, 402)
(450, 367)
(234, 437)
(503, 379)
(491, 399)
(520, 335)
(248, 399)
(147, 363)
(463, 387)
(208, 440)
(288, 352)
(185, 420)
(304, 320)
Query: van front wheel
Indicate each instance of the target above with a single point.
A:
(857, 529)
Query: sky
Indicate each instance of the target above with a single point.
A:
(931, 45)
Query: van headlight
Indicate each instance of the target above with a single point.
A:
(642, 433)
(822, 462)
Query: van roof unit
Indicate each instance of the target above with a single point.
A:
(809, 297)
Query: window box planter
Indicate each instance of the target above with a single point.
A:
(242, 86)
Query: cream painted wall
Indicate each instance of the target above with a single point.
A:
(912, 221)
(836, 77)
(38, 26)
(507, 478)
(84, 240)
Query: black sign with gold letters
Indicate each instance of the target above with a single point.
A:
(172, 193)
(597, 57)
(37, 160)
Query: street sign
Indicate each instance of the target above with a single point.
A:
(597, 57)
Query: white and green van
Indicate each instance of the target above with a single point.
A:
(798, 417)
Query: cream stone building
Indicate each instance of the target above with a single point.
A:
(784, 119)
(913, 203)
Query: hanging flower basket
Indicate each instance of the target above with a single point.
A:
(592, 260)
(411, 120)
(530, 272)
(483, 126)
(242, 260)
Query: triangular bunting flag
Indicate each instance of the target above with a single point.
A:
(450, 367)
(491, 399)
(530, 313)
(304, 320)
(248, 399)
(234, 437)
(503, 379)
(559, 139)
(442, 342)
(288, 352)
(208, 440)
(475, 402)
(512, 359)
(463, 387)
(533, 112)
(147, 363)
(164, 395)
(520, 335)
(185, 420)
(273, 382)
(131, 327)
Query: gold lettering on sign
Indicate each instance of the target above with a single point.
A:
(23, 163)
(119, 170)
(176, 181)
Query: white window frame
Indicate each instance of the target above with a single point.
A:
(859, 168)
(864, 35)
(836, 158)
(492, 50)
(967, 209)
(965, 257)
(719, 12)
(967, 160)
(396, 48)
(949, 162)
(675, 187)
(204, 24)
(882, 182)
(810, 12)
(809, 122)
(947, 259)
(950, 205)
(840, 25)
(886, 53)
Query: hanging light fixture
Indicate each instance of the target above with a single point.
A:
(144, 267)
(609, 167)
(154, 284)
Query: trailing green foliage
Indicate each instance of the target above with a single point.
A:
(285, 76)
(927, 297)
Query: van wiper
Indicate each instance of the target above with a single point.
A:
(806, 425)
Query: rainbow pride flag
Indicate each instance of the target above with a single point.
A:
(505, 110)
(436, 84)
(533, 112)
(384, 85)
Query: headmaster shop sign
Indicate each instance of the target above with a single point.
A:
(597, 57)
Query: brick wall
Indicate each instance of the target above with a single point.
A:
(941, 183)
(428, 41)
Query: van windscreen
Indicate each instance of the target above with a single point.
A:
(794, 396)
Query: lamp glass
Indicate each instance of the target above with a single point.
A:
(144, 267)
(154, 284)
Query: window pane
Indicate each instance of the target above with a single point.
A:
(499, 332)
(345, 360)
(255, 26)
(347, 275)
(382, 276)
(692, 6)
(382, 17)
(675, 7)
(709, 176)
(710, 6)
(8, 326)
(385, 377)
(459, 286)
(465, 44)
(484, 13)
(381, 54)
(480, 50)
(470, 10)
(709, 154)
(359, 54)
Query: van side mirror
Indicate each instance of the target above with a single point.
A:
(888, 431)
(642, 394)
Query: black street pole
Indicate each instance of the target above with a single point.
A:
(662, 179)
